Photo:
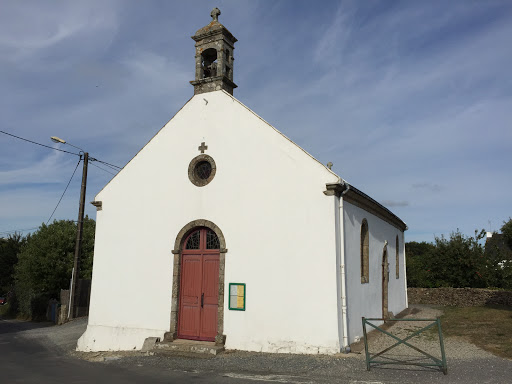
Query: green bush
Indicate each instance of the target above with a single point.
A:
(460, 261)
(45, 263)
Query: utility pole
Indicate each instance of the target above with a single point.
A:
(78, 247)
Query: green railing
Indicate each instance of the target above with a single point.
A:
(385, 360)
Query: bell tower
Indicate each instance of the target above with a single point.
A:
(214, 57)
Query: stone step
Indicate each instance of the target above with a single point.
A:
(187, 347)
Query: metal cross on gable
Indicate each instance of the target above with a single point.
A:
(202, 147)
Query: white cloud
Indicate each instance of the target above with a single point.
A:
(45, 171)
(31, 28)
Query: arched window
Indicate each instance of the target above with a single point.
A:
(197, 238)
(397, 254)
(365, 253)
(209, 62)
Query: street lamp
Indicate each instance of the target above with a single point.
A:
(56, 139)
(79, 233)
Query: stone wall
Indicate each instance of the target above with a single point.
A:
(459, 297)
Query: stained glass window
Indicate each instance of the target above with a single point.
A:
(193, 241)
(212, 241)
(203, 170)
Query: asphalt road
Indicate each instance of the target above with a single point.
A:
(28, 355)
(28, 360)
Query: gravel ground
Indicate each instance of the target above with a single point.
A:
(466, 362)
(63, 337)
(427, 341)
(302, 369)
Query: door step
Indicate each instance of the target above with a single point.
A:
(188, 347)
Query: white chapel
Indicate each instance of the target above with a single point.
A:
(221, 229)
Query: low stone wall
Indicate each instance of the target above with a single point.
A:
(459, 297)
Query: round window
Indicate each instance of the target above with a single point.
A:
(201, 170)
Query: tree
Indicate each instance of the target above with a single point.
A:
(45, 262)
(498, 254)
(506, 230)
(417, 254)
(506, 262)
(462, 261)
(9, 249)
(458, 261)
(454, 262)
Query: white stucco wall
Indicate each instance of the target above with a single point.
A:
(366, 299)
(266, 198)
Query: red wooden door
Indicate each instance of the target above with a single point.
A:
(199, 287)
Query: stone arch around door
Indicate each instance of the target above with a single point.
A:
(177, 251)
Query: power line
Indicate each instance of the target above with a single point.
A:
(115, 167)
(42, 145)
(103, 169)
(111, 166)
(69, 182)
(107, 164)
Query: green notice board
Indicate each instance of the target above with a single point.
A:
(237, 296)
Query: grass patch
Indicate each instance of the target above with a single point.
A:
(490, 328)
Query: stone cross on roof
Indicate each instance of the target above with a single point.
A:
(215, 14)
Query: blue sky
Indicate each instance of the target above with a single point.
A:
(411, 100)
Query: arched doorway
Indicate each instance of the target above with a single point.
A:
(385, 282)
(187, 295)
(199, 286)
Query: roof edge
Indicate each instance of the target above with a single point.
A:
(360, 199)
(145, 145)
(282, 134)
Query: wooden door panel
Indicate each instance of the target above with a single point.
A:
(190, 304)
(210, 288)
(189, 321)
(210, 281)
(208, 323)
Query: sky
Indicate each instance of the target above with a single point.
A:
(410, 100)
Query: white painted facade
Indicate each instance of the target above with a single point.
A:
(366, 299)
(284, 238)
